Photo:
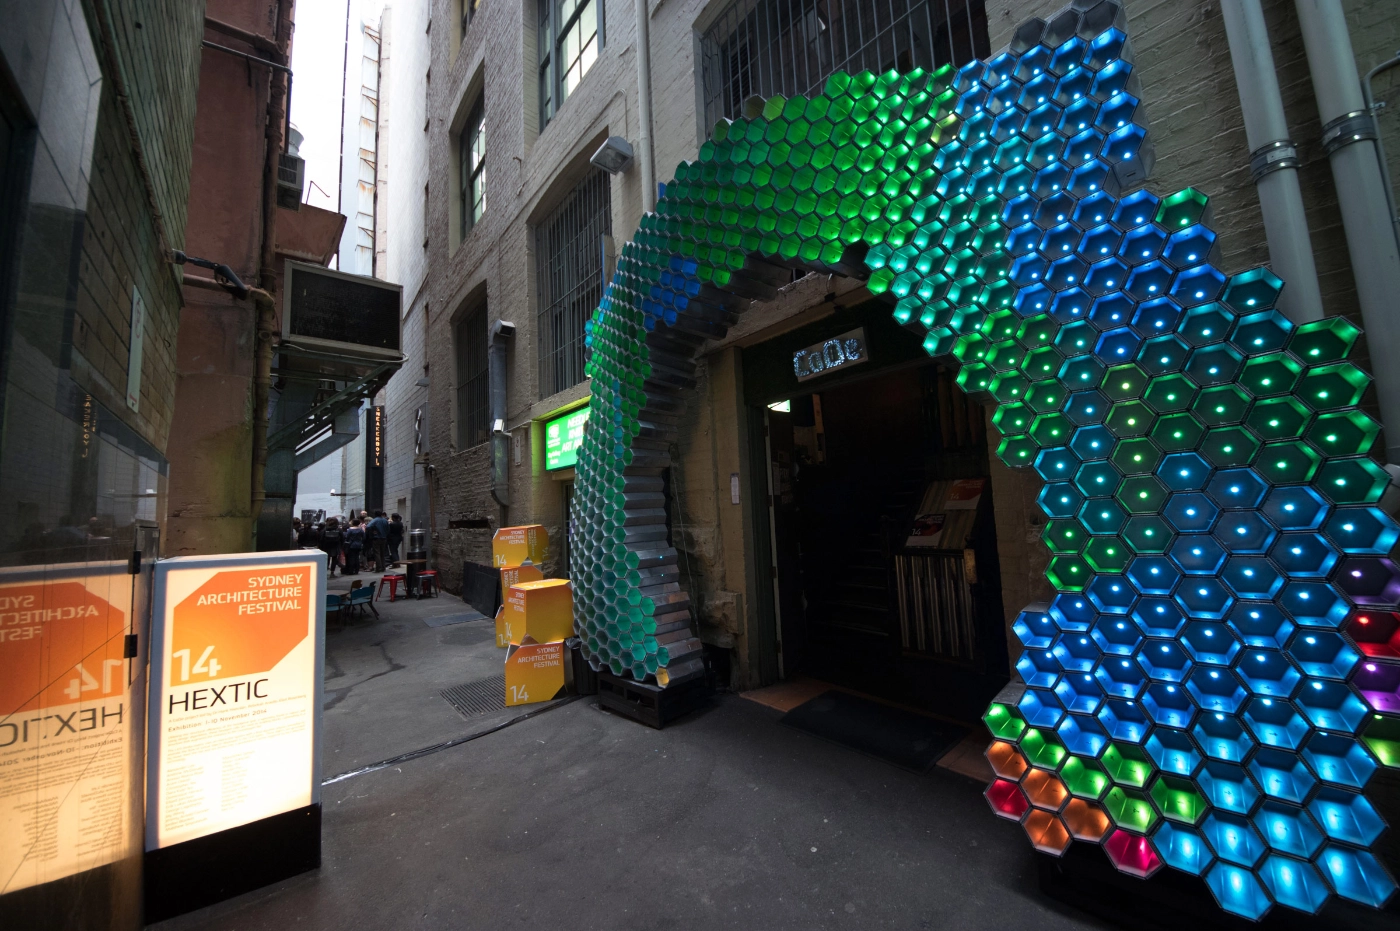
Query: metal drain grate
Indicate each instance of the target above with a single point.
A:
(479, 697)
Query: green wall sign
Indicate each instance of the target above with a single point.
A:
(562, 437)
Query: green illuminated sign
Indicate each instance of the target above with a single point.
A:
(562, 437)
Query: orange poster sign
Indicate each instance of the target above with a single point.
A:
(236, 654)
(66, 721)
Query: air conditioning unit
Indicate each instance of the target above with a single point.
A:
(291, 180)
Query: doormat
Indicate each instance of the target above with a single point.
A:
(446, 620)
(480, 697)
(908, 740)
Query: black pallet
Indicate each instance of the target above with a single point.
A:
(649, 703)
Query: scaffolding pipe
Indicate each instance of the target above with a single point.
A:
(1273, 160)
(1349, 138)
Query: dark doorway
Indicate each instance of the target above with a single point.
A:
(883, 540)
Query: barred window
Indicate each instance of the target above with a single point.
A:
(569, 260)
(472, 380)
(570, 37)
(790, 47)
(473, 161)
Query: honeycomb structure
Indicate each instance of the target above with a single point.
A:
(1218, 677)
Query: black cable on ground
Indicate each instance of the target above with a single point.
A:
(446, 744)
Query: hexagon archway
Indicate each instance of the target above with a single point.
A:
(1215, 684)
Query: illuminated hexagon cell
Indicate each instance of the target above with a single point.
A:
(1044, 789)
(1173, 751)
(1276, 723)
(1370, 581)
(1281, 774)
(1007, 799)
(1323, 654)
(1228, 787)
(1222, 737)
(1294, 883)
(1233, 839)
(1169, 705)
(1047, 832)
(1132, 854)
(1238, 891)
(1331, 706)
(1216, 689)
(1210, 642)
(1260, 624)
(1375, 633)
(1339, 760)
(1183, 848)
(1362, 531)
(1164, 661)
(1356, 875)
(1085, 820)
(1085, 778)
(1268, 673)
(1041, 708)
(1039, 668)
(1346, 816)
(1007, 762)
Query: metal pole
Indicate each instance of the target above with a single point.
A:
(644, 106)
(1273, 160)
(1348, 136)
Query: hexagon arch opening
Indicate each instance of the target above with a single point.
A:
(1245, 700)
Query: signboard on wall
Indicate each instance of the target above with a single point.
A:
(237, 649)
(839, 352)
(562, 438)
(374, 458)
(67, 722)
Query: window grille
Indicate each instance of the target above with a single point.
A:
(472, 380)
(473, 162)
(790, 47)
(570, 38)
(569, 261)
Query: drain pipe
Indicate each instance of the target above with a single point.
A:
(644, 105)
(1370, 100)
(501, 332)
(1349, 138)
(1273, 160)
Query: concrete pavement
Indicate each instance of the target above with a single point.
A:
(577, 819)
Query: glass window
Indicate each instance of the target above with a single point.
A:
(473, 162)
(570, 35)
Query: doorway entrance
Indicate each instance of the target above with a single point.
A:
(881, 537)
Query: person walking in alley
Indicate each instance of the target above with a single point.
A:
(354, 544)
(379, 533)
(331, 541)
(395, 538)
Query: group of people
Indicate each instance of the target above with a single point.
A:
(364, 543)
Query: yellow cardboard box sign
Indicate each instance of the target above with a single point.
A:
(502, 638)
(514, 575)
(542, 611)
(534, 673)
(514, 546)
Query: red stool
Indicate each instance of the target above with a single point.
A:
(393, 582)
(428, 577)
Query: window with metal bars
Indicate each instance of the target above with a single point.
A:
(570, 38)
(790, 47)
(472, 380)
(569, 262)
(472, 154)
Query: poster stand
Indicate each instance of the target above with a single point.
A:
(233, 796)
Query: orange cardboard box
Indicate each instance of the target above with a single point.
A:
(534, 673)
(514, 546)
(514, 575)
(502, 638)
(542, 611)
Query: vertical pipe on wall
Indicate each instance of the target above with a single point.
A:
(1273, 160)
(1348, 136)
(501, 331)
(644, 106)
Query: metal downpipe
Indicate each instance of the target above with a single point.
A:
(644, 106)
(1348, 136)
(1273, 160)
(501, 333)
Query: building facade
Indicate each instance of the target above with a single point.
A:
(520, 229)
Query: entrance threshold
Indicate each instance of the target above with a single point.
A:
(966, 757)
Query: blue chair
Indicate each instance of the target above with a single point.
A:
(360, 598)
(336, 602)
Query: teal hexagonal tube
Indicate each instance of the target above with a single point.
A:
(1219, 676)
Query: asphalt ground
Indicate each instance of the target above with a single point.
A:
(576, 818)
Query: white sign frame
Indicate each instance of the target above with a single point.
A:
(161, 665)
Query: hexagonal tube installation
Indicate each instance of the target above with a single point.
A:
(1221, 646)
